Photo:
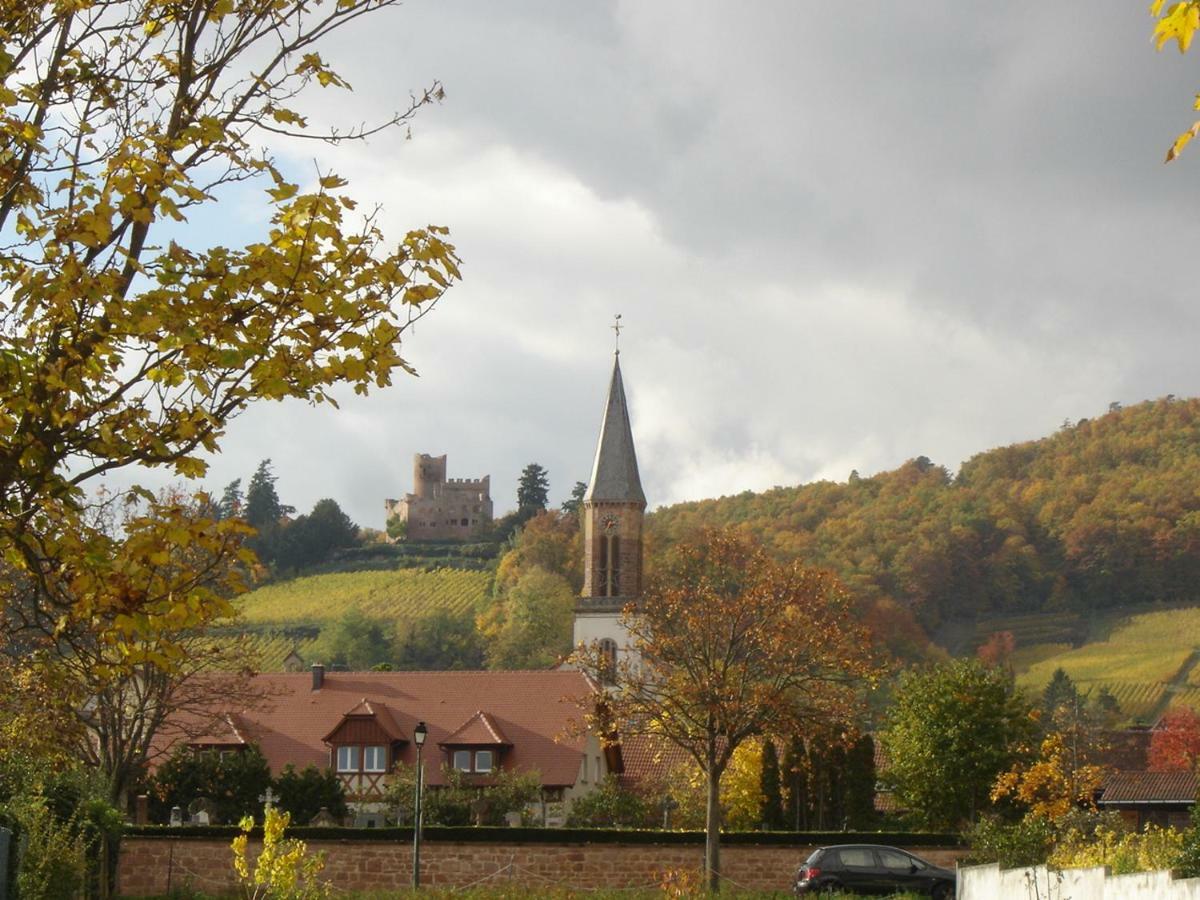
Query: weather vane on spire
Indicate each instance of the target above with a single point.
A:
(616, 327)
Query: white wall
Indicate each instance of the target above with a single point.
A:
(993, 883)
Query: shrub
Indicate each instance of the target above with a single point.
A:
(460, 801)
(611, 806)
(303, 794)
(284, 869)
(232, 781)
(1123, 853)
(1014, 845)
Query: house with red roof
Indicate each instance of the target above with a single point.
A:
(360, 725)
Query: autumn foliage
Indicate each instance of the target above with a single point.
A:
(1053, 784)
(735, 645)
(1175, 742)
(1179, 24)
(127, 340)
(1104, 513)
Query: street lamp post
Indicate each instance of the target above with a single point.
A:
(419, 735)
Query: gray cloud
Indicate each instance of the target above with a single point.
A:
(840, 235)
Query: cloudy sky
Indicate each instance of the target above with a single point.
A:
(840, 236)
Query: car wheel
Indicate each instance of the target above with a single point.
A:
(942, 892)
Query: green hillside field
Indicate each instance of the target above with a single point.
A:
(278, 618)
(1148, 661)
(400, 594)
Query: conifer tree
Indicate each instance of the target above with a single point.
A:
(772, 794)
(860, 783)
(532, 490)
(231, 503)
(793, 780)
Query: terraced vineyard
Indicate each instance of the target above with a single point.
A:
(1147, 662)
(289, 615)
(394, 595)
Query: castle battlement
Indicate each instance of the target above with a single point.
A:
(441, 508)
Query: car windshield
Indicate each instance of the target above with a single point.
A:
(813, 858)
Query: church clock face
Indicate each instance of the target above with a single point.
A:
(609, 524)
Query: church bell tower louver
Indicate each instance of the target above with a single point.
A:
(613, 509)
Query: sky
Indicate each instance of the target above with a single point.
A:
(840, 236)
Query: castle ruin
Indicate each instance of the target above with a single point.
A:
(442, 509)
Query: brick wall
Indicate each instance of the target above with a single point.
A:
(155, 865)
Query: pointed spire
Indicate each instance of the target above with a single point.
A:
(615, 472)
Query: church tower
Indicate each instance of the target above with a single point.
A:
(613, 508)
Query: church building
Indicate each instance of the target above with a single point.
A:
(613, 510)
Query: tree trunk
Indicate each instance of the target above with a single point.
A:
(712, 829)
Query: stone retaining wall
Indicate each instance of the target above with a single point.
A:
(154, 865)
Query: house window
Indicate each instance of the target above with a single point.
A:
(375, 759)
(347, 759)
(465, 521)
(462, 760)
(483, 760)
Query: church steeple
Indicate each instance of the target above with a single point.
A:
(615, 472)
(613, 509)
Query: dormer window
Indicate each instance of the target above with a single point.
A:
(347, 758)
(375, 759)
(476, 745)
(479, 761)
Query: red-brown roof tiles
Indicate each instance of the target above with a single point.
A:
(1148, 787)
(481, 730)
(534, 711)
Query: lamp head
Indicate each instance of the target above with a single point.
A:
(420, 733)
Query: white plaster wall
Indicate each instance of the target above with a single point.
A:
(993, 883)
(591, 627)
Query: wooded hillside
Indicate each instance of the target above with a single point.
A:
(1102, 514)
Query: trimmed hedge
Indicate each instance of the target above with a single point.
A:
(484, 835)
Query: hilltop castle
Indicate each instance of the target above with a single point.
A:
(442, 509)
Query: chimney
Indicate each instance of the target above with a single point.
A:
(318, 671)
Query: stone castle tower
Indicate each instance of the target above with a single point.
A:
(442, 509)
(613, 508)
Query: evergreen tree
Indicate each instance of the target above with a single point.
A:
(263, 508)
(264, 511)
(1060, 694)
(575, 503)
(793, 780)
(230, 504)
(772, 793)
(860, 784)
(532, 490)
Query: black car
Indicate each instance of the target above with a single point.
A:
(872, 869)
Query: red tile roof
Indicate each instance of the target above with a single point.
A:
(364, 710)
(1136, 788)
(536, 712)
(481, 730)
(647, 757)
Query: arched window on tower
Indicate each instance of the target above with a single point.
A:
(614, 566)
(608, 661)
